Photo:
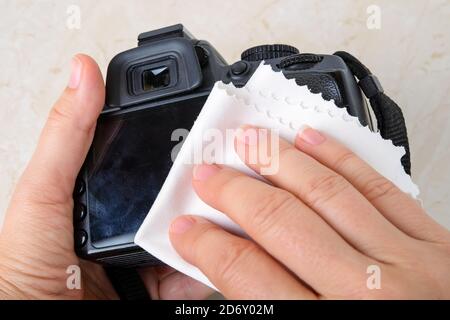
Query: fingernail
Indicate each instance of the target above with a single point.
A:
(75, 75)
(181, 224)
(310, 136)
(247, 134)
(204, 171)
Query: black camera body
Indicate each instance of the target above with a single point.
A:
(152, 90)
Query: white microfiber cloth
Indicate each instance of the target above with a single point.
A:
(271, 101)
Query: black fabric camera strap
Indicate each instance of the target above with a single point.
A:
(127, 283)
(390, 120)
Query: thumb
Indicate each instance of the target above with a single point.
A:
(67, 136)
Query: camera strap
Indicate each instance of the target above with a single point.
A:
(128, 283)
(390, 120)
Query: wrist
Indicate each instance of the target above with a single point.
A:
(8, 291)
(5, 287)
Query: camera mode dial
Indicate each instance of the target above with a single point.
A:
(268, 51)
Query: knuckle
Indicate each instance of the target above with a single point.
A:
(235, 183)
(271, 206)
(376, 187)
(59, 113)
(286, 151)
(195, 247)
(323, 188)
(64, 114)
(235, 258)
(342, 160)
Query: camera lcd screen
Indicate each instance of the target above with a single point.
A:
(128, 163)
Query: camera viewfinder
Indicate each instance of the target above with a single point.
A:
(155, 78)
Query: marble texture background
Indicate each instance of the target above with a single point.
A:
(410, 54)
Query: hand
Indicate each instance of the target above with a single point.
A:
(327, 219)
(36, 243)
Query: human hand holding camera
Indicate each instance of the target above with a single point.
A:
(313, 233)
(37, 242)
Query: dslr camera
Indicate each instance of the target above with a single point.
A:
(151, 90)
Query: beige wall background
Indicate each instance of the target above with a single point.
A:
(410, 54)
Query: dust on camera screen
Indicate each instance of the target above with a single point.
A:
(129, 161)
